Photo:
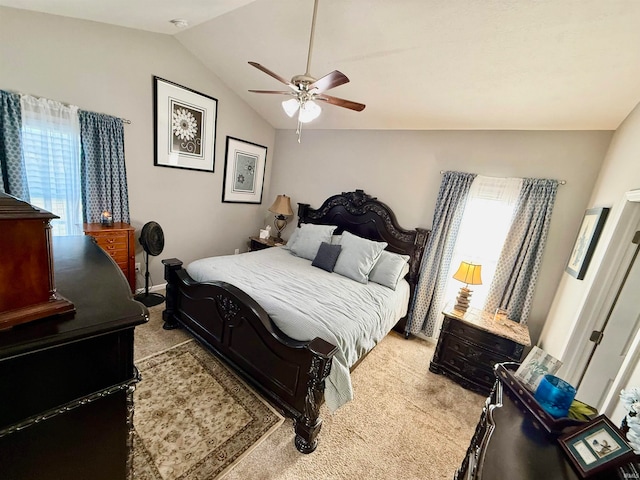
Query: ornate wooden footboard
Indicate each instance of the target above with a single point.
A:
(290, 373)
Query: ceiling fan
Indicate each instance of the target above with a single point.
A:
(306, 90)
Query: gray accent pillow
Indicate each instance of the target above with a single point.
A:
(389, 269)
(308, 239)
(358, 257)
(327, 256)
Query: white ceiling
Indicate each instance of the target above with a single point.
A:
(416, 64)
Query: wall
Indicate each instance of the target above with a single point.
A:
(620, 173)
(110, 70)
(402, 168)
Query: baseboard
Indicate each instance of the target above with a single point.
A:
(155, 288)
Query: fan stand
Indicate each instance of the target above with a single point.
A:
(146, 298)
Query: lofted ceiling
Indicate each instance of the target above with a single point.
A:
(416, 64)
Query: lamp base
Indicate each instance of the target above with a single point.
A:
(280, 223)
(462, 300)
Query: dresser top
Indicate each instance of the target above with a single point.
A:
(483, 320)
(88, 277)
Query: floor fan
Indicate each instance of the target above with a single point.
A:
(152, 241)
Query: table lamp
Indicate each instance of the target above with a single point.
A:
(282, 208)
(469, 274)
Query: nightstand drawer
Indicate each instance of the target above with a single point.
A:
(472, 353)
(486, 339)
(119, 256)
(120, 241)
(460, 364)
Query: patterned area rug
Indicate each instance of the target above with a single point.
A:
(194, 419)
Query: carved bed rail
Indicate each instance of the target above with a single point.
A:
(289, 372)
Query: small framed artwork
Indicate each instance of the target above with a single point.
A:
(536, 365)
(586, 242)
(244, 168)
(596, 447)
(185, 127)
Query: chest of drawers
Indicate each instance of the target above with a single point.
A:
(68, 380)
(118, 242)
(471, 343)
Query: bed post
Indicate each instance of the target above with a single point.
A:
(171, 265)
(307, 427)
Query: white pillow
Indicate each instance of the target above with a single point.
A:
(357, 257)
(389, 269)
(292, 239)
(308, 239)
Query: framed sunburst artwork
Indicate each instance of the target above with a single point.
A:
(244, 167)
(185, 127)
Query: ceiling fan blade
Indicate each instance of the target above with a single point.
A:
(341, 102)
(282, 92)
(330, 80)
(272, 74)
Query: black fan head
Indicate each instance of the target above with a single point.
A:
(152, 238)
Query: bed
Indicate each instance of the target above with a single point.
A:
(265, 348)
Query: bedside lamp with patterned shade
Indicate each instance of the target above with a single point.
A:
(282, 208)
(469, 274)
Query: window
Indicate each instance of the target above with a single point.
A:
(483, 230)
(51, 149)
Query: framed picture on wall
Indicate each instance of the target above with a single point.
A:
(244, 167)
(184, 127)
(585, 244)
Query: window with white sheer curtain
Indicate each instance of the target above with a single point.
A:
(483, 230)
(51, 149)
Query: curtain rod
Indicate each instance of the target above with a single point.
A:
(561, 182)
(124, 120)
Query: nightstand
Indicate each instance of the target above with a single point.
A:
(118, 242)
(471, 343)
(258, 243)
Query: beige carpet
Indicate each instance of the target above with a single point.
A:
(404, 423)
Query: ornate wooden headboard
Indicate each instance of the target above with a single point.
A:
(367, 217)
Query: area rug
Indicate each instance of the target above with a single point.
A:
(194, 419)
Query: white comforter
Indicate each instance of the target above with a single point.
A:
(307, 302)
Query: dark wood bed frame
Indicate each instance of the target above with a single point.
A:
(288, 372)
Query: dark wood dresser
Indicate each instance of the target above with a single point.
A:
(118, 241)
(471, 343)
(509, 444)
(67, 381)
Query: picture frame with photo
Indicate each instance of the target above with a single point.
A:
(585, 244)
(536, 365)
(244, 169)
(595, 447)
(184, 127)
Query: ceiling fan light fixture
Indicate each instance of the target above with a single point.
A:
(290, 106)
(309, 111)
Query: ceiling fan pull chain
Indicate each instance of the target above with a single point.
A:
(313, 29)
(299, 130)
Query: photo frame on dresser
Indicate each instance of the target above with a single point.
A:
(585, 244)
(244, 168)
(596, 447)
(536, 365)
(184, 127)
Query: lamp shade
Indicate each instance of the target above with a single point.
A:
(469, 273)
(291, 106)
(309, 111)
(282, 206)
